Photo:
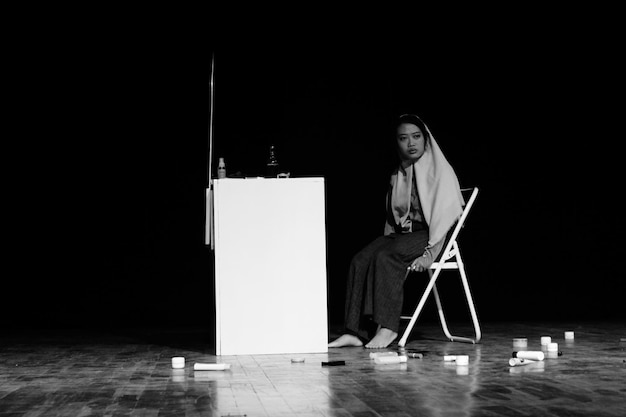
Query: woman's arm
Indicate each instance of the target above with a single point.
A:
(426, 260)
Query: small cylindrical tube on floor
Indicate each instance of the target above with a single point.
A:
(390, 359)
(210, 366)
(374, 355)
(519, 362)
(533, 355)
(545, 340)
(334, 363)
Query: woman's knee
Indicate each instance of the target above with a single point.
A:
(369, 253)
(385, 255)
(361, 258)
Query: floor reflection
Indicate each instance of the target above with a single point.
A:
(266, 385)
(425, 387)
(126, 376)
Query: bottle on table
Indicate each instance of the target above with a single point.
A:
(272, 166)
(221, 168)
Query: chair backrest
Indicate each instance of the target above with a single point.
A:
(459, 224)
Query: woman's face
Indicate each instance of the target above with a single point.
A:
(411, 142)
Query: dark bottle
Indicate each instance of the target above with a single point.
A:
(272, 164)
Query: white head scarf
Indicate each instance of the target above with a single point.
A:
(438, 188)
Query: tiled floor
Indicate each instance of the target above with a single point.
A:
(129, 374)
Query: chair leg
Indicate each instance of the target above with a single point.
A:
(432, 287)
(444, 324)
(418, 310)
(442, 317)
(470, 303)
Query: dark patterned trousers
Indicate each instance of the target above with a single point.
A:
(375, 286)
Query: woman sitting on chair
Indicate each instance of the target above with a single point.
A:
(423, 203)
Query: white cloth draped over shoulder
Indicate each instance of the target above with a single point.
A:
(439, 193)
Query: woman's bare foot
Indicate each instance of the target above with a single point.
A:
(383, 338)
(345, 340)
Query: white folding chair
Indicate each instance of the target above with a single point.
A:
(450, 258)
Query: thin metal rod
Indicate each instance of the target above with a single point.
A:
(211, 100)
(209, 233)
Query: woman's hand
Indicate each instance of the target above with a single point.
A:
(421, 264)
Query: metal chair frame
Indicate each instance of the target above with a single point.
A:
(450, 259)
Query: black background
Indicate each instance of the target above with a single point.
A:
(108, 167)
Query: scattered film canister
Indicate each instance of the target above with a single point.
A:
(519, 362)
(553, 347)
(569, 335)
(297, 360)
(520, 342)
(415, 355)
(533, 355)
(384, 360)
(462, 359)
(374, 355)
(210, 366)
(178, 362)
(545, 340)
(449, 358)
